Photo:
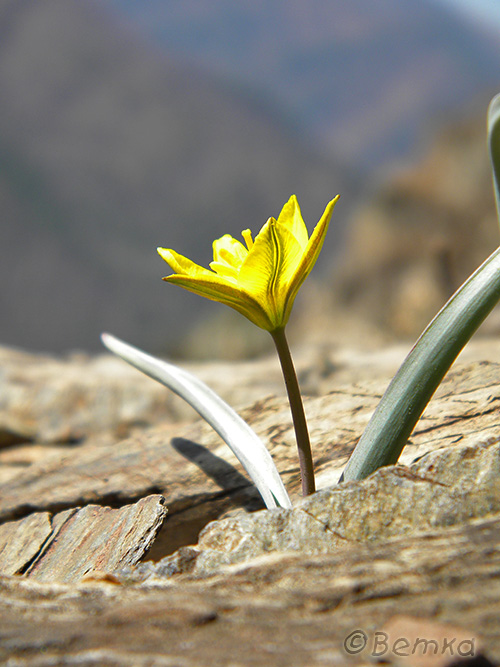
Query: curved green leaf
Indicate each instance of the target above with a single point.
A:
(494, 144)
(423, 369)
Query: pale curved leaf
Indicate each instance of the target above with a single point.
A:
(236, 433)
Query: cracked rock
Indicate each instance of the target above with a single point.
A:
(443, 489)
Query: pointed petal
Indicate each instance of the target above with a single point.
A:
(258, 269)
(317, 239)
(310, 255)
(273, 258)
(291, 255)
(291, 218)
(182, 265)
(224, 290)
(269, 268)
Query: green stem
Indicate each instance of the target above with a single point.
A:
(297, 408)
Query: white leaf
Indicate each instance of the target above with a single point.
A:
(245, 444)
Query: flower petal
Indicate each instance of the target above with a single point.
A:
(291, 218)
(317, 239)
(269, 267)
(225, 291)
(262, 280)
(310, 255)
(224, 270)
(258, 270)
(182, 265)
(230, 251)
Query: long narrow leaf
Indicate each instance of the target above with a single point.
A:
(245, 444)
(494, 144)
(423, 369)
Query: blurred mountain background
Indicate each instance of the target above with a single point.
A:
(128, 124)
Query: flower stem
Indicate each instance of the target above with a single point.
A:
(297, 408)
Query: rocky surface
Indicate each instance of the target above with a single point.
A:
(442, 489)
(283, 609)
(415, 543)
(80, 542)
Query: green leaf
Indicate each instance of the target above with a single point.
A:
(424, 368)
(494, 144)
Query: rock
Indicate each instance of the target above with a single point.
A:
(81, 541)
(442, 489)
(280, 609)
(257, 587)
(201, 480)
(44, 399)
(423, 643)
(21, 541)
(198, 475)
(52, 400)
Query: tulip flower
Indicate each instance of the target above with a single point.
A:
(260, 280)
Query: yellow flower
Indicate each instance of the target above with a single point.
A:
(262, 279)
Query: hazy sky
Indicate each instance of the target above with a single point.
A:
(485, 10)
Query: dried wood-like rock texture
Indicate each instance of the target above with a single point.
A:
(81, 541)
(284, 609)
(82, 501)
(443, 489)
